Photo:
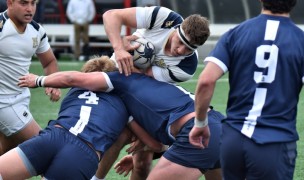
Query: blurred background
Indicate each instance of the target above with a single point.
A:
(222, 14)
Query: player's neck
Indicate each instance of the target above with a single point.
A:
(167, 49)
(267, 12)
(20, 27)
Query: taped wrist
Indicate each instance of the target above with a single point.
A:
(39, 81)
(200, 123)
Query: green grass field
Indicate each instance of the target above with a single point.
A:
(44, 110)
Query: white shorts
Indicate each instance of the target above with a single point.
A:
(14, 112)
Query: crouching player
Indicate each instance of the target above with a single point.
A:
(165, 111)
(71, 147)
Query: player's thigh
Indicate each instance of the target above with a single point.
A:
(31, 129)
(231, 156)
(143, 159)
(12, 166)
(17, 125)
(76, 160)
(14, 117)
(165, 169)
(271, 161)
(214, 174)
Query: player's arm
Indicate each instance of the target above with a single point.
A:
(205, 88)
(48, 62)
(203, 94)
(50, 65)
(143, 136)
(181, 72)
(171, 74)
(113, 21)
(94, 81)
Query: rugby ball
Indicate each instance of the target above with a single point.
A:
(143, 56)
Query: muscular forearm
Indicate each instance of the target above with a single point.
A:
(113, 24)
(52, 67)
(205, 88)
(145, 137)
(66, 79)
(203, 97)
(114, 20)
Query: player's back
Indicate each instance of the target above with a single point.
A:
(92, 116)
(266, 70)
(153, 104)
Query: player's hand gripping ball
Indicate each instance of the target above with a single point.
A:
(143, 56)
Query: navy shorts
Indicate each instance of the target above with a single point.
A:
(58, 154)
(183, 153)
(242, 158)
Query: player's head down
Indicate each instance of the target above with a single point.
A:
(278, 6)
(99, 63)
(194, 31)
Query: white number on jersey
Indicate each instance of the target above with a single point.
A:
(90, 96)
(85, 112)
(271, 63)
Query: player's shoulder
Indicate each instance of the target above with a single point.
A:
(35, 25)
(171, 18)
(163, 16)
(3, 18)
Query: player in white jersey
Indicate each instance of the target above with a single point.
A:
(20, 39)
(265, 59)
(175, 40)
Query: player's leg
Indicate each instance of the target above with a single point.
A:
(142, 163)
(17, 123)
(184, 159)
(12, 166)
(112, 154)
(26, 133)
(270, 161)
(165, 169)
(214, 174)
(232, 159)
(73, 158)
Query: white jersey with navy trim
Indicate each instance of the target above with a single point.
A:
(266, 79)
(16, 52)
(96, 117)
(156, 25)
(154, 105)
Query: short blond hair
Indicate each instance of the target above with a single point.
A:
(196, 28)
(99, 63)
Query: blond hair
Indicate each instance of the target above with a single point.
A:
(196, 28)
(99, 63)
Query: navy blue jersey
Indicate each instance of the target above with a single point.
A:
(265, 60)
(95, 117)
(154, 105)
